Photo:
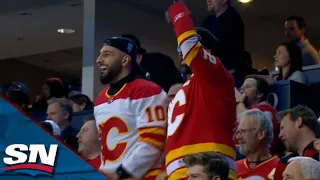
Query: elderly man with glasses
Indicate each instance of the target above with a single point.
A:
(255, 135)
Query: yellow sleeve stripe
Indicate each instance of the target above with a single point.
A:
(198, 148)
(178, 174)
(192, 54)
(153, 142)
(154, 172)
(232, 175)
(185, 35)
(153, 130)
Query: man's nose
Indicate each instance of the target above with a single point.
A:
(274, 56)
(98, 60)
(238, 136)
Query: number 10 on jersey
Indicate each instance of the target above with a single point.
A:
(157, 113)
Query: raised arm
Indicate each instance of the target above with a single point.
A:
(204, 65)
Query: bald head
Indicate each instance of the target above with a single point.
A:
(302, 168)
(174, 90)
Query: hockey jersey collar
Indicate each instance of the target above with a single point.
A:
(115, 87)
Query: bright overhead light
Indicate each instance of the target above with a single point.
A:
(245, 1)
(66, 31)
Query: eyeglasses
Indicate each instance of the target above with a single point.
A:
(241, 131)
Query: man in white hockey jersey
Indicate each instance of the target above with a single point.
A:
(130, 115)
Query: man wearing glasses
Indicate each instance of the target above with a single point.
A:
(255, 135)
(253, 94)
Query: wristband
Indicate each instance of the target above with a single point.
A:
(122, 173)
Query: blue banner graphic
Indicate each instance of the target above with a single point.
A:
(29, 152)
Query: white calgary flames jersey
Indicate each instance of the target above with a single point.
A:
(132, 127)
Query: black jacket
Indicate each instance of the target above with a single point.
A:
(69, 137)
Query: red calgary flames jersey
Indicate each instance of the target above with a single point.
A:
(202, 114)
(256, 171)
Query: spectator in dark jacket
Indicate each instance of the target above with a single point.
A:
(60, 112)
(19, 98)
(52, 87)
(227, 25)
(161, 69)
(80, 102)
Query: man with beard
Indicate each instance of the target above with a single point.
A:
(255, 134)
(130, 115)
(297, 131)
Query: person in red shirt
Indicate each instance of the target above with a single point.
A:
(255, 135)
(202, 112)
(89, 144)
(253, 94)
(297, 131)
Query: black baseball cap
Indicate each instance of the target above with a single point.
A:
(133, 38)
(127, 46)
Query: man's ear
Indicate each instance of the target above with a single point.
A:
(303, 30)
(83, 106)
(216, 178)
(126, 60)
(259, 94)
(226, 2)
(66, 115)
(262, 135)
(299, 122)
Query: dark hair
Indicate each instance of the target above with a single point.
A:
(307, 115)
(214, 164)
(81, 99)
(89, 118)
(295, 58)
(208, 40)
(57, 87)
(262, 85)
(300, 22)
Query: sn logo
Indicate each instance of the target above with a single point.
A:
(18, 159)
